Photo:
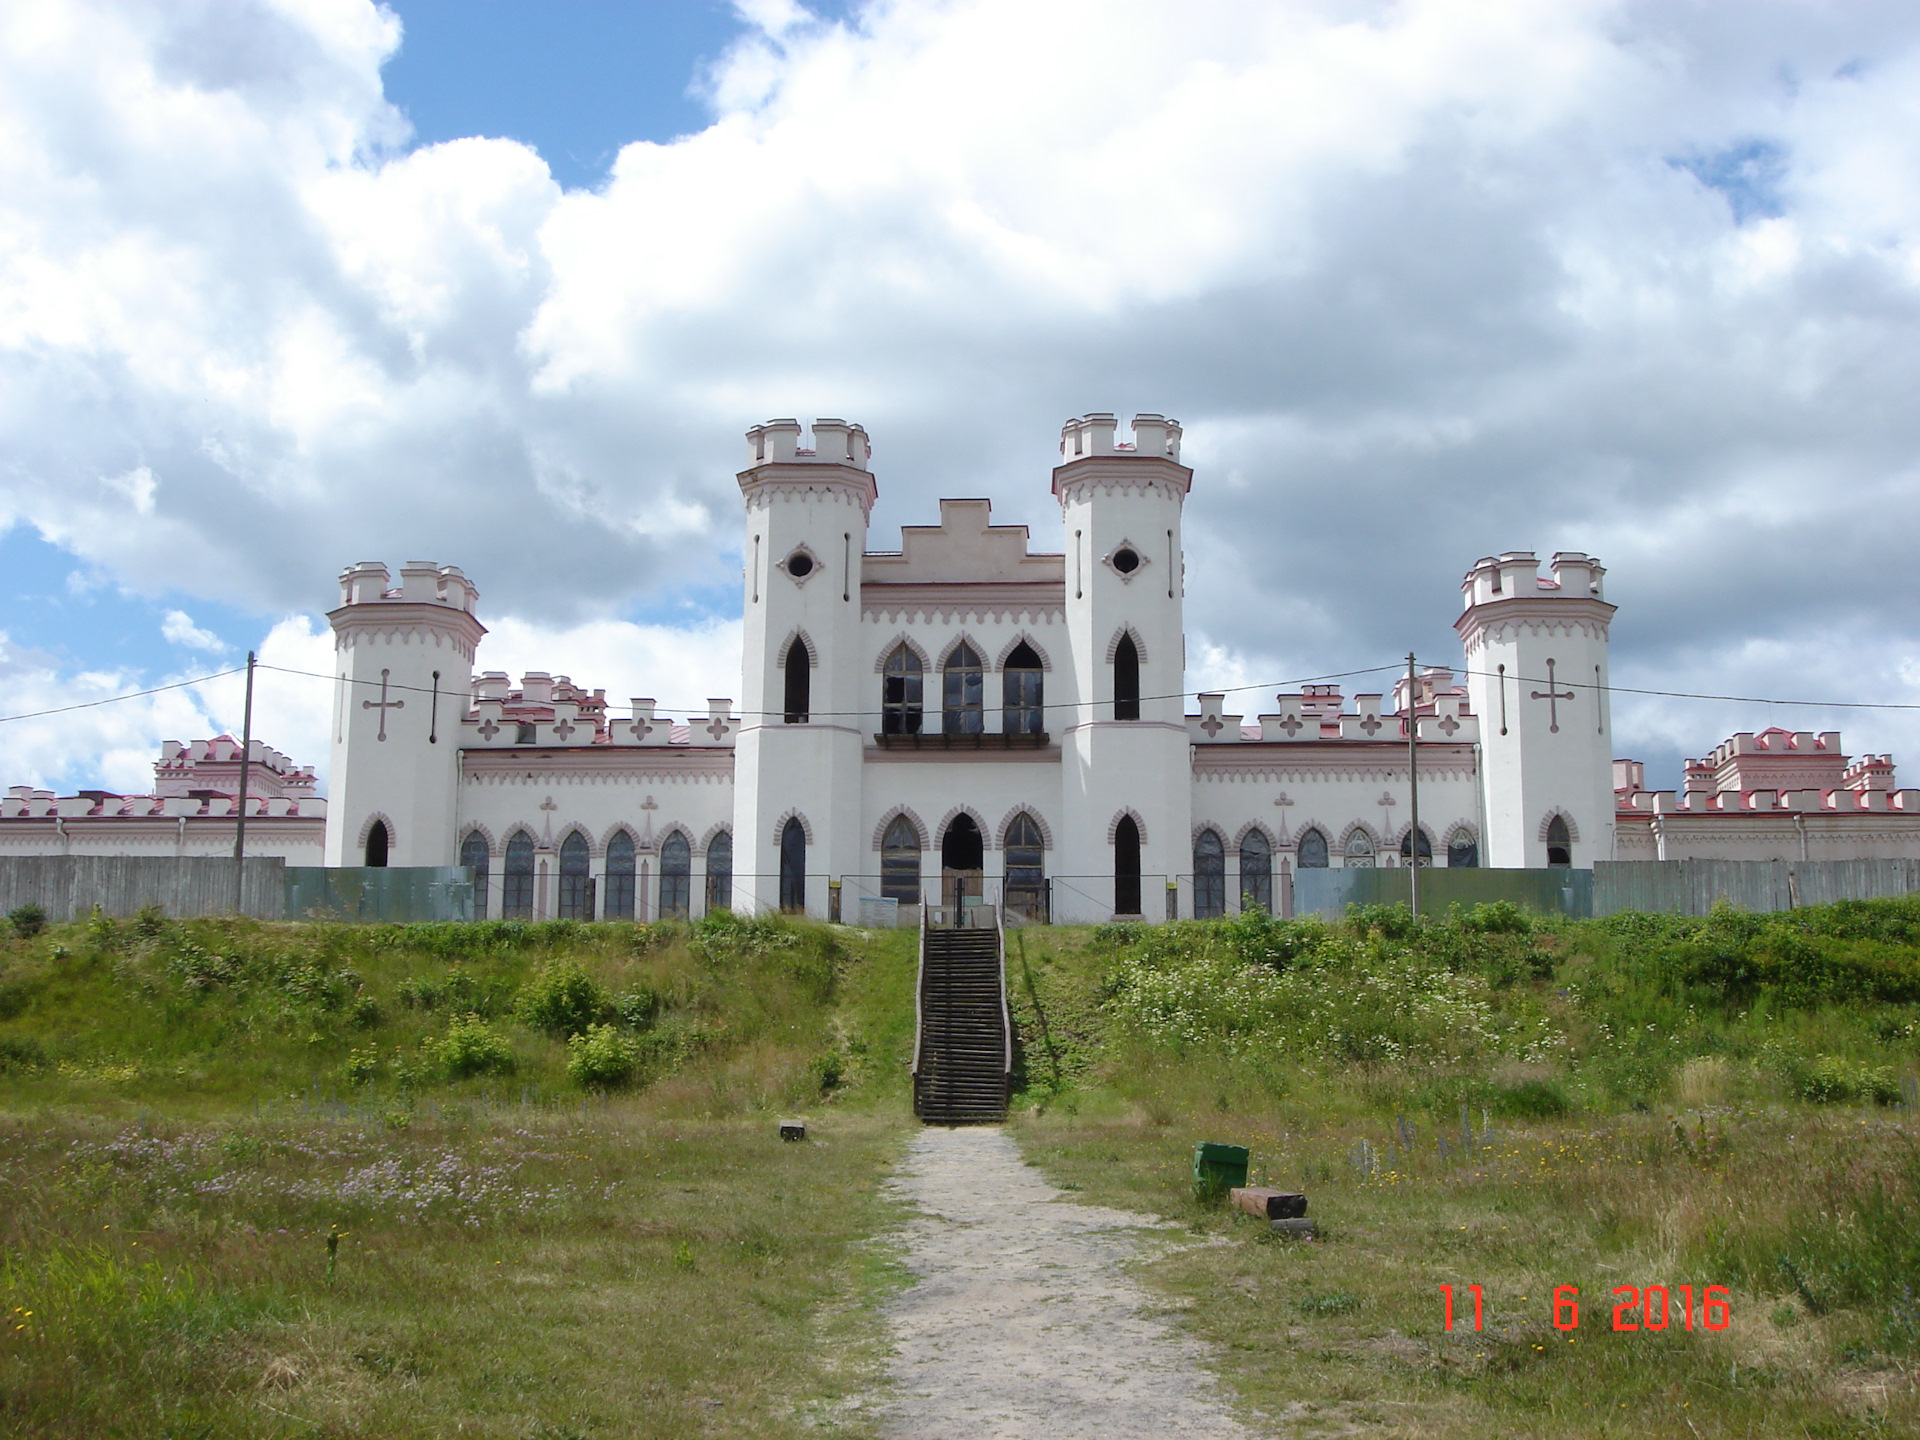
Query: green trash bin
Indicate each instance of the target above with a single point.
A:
(1218, 1168)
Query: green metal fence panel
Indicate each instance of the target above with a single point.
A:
(67, 887)
(1691, 887)
(1327, 893)
(364, 894)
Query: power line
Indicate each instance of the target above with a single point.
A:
(116, 699)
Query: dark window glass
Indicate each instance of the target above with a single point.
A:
(720, 872)
(799, 683)
(475, 856)
(900, 862)
(618, 904)
(676, 877)
(1426, 849)
(516, 899)
(1256, 872)
(1463, 851)
(1125, 561)
(1021, 709)
(523, 733)
(377, 839)
(900, 693)
(793, 867)
(1126, 867)
(799, 565)
(1026, 892)
(964, 686)
(1312, 850)
(1209, 876)
(1126, 680)
(576, 878)
(1559, 844)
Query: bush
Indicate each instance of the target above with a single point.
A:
(17, 1052)
(1497, 917)
(1532, 1100)
(471, 1047)
(1830, 1080)
(602, 1057)
(562, 1000)
(27, 921)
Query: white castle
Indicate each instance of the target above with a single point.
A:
(968, 720)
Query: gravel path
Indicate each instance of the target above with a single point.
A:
(1022, 1323)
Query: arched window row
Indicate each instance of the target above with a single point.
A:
(1312, 851)
(962, 692)
(577, 886)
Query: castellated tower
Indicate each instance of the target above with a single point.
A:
(1125, 768)
(1536, 655)
(798, 755)
(404, 674)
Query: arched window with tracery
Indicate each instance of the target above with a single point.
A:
(618, 903)
(1022, 710)
(900, 862)
(1311, 849)
(901, 699)
(676, 877)
(963, 689)
(516, 898)
(1426, 849)
(1559, 844)
(1209, 876)
(576, 878)
(1463, 850)
(1256, 872)
(1026, 857)
(1126, 679)
(475, 855)
(1360, 851)
(720, 872)
(799, 682)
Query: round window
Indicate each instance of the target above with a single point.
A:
(1125, 561)
(799, 564)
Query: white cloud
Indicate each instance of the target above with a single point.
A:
(1424, 279)
(178, 627)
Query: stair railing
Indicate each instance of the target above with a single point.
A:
(1006, 1018)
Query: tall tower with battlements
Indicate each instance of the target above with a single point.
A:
(1536, 659)
(1126, 773)
(403, 676)
(797, 761)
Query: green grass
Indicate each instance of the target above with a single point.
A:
(1518, 1107)
(187, 1111)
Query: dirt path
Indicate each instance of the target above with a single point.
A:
(1022, 1323)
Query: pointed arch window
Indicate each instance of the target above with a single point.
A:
(475, 855)
(963, 690)
(676, 877)
(576, 878)
(1022, 710)
(1256, 872)
(1426, 849)
(1126, 680)
(619, 900)
(1360, 851)
(1463, 851)
(720, 872)
(793, 867)
(1559, 844)
(516, 898)
(378, 845)
(799, 682)
(1026, 857)
(1209, 876)
(1312, 849)
(1126, 867)
(900, 862)
(901, 692)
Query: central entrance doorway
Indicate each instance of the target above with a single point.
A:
(962, 866)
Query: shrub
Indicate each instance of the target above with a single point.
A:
(1532, 1100)
(1497, 917)
(363, 1065)
(17, 1052)
(562, 1000)
(471, 1047)
(27, 920)
(637, 1007)
(1830, 1080)
(602, 1057)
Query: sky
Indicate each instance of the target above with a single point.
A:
(289, 284)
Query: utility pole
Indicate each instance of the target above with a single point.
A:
(1413, 788)
(240, 823)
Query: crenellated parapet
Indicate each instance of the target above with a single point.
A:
(835, 469)
(1319, 714)
(1094, 462)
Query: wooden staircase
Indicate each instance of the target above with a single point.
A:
(964, 1055)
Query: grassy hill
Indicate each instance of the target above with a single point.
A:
(1490, 1100)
